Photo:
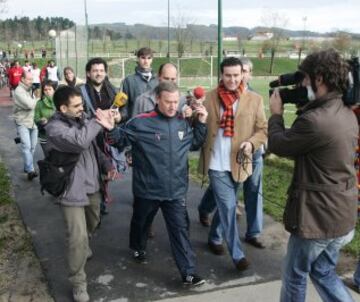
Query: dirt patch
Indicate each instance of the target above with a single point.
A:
(21, 277)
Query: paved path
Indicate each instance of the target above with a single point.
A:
(112, 275)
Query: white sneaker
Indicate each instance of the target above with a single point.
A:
(80, 294)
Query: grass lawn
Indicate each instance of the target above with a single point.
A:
(5, 201)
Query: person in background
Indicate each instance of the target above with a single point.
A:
(35, 71)
(44, 110)
(142, 80)
(356, 276)
(24, 110)
(14, 75)
(27, 66)
(70, 79)
(53, 72)
(99, 92)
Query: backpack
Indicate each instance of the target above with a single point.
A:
(117, 157)
(55, 171)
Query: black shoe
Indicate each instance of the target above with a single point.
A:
(140, 257)
(193, 280)
(242, 264)
(151, 233)
(254, 241)
(204, 220)
(217, 249)
(104, 211)
(32, 175)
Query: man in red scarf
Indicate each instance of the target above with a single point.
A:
(237, 127)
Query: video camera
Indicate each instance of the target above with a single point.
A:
(299, 95)
(296, 95)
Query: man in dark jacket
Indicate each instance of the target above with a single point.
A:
(70, 132)
(98, 92)
(160, 143)
(320, 212)
(142, 80)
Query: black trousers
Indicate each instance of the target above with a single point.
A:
(177, 224)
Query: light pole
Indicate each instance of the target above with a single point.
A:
(87, 31)
(219, 37)
(302, 47)
(52, 35)
(304, 32)
(168, 51)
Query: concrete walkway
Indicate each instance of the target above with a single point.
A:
(112, 274)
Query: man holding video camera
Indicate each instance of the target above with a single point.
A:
(320, 212)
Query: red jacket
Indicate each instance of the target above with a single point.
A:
(15, 75)
(43, 73)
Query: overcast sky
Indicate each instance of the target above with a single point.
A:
(315, 15)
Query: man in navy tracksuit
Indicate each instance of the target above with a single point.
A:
(160, 143)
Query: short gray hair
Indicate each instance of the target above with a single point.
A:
(246, 61)
(165, 86)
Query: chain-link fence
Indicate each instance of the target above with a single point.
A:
(72, 49)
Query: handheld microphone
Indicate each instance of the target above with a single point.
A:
(198, 93)
(119, 101)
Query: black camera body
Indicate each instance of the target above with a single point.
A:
(17, 140)
(299, 95)
(296, 95)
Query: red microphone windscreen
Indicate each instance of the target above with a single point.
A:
(198, 92)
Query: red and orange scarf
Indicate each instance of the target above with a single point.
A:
(228, 99)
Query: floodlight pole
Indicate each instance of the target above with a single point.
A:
(219, 37)
(87, 31)
(168, 48)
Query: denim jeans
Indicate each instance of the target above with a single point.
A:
(317, 258)
(28, 139)
(357, 275)
(224, 221)
(252, 188)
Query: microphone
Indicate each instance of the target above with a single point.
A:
(119, 101)
(199, 94)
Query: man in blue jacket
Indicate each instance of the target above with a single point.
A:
(160, 143)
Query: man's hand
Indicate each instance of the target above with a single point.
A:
(112, 175)
(186, 111)
(276, 105)
(202, 113)
(247, 147)
(117, 116)
(43, 121)
(105, 118)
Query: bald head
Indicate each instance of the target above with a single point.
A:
(168, 72)
(27, 78)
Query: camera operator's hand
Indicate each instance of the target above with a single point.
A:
(276, 105)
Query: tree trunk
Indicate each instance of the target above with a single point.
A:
(272, 61)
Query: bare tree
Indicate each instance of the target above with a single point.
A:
(342, 42)
(276, 23)
(3, 6)
(183, 33)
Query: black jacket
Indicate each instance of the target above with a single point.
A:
(160, 147)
